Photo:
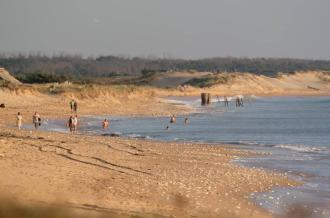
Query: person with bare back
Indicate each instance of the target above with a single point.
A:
(36, 120)
(105, 124)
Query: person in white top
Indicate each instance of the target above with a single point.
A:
(75, 123)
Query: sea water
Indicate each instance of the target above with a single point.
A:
(293, 131)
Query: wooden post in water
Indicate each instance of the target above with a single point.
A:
(205, 98)
(208, 98)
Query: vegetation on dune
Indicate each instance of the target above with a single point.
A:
(112, 69)
(42, 77)
(210, 80)
(83, 91)
(325, 77)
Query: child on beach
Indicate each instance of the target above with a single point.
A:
(19, 120)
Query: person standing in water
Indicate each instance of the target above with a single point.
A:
(70, 124)
(186, 121)
(36, 120)
(19, 120)
(105, 124)
(226, 101)
(173, 119)
(75, 123)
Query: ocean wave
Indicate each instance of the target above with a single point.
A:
(138, 136)
(249, 143)
(298, 148)
(304, 148)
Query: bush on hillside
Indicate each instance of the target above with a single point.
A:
(42, 77)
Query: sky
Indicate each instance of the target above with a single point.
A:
(189, 29)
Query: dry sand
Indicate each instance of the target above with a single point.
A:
(103, 173)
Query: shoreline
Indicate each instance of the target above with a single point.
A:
(166, 207)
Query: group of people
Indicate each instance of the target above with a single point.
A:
(36, 120)
(73, 120)
(73, 106)
(173, 120)
(72, 123)
(239, 102)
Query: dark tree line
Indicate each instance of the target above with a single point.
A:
(37, 67)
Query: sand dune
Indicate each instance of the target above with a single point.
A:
(53, 100)
(4, 75)
(299, 83)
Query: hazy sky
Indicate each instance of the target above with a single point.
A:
(171, 28)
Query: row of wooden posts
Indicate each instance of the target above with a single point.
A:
(205, 98)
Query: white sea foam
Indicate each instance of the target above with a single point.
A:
(303, 148)
(133, 135)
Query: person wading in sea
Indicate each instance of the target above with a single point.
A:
(70, 124)
(75, 123)
(105, 124)
(186, 121)
(36, 120)
(226, 101)
(173, 119)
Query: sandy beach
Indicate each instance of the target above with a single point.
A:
(107, 174)
(95, 172)
(164, 109)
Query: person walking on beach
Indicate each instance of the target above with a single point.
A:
(19, 120)
(72, 105)
(105, 124)
(36, 120)
(75, 106)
